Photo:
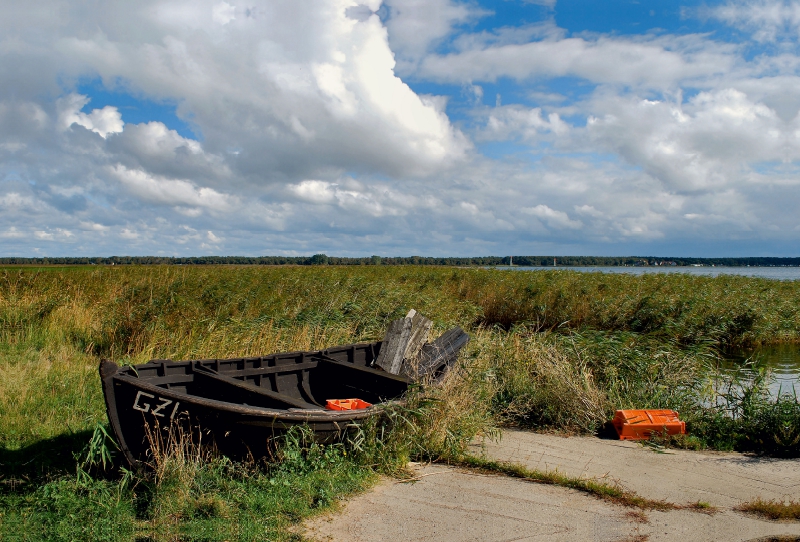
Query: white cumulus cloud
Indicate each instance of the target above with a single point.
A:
(103, 122)
(699, 145)
(174, 192)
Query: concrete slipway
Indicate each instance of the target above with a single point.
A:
(451, 504)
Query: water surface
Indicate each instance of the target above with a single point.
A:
(782, 360)
(778, 273)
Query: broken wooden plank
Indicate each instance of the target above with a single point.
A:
(394, 345)
(435, 358)
(420, 329)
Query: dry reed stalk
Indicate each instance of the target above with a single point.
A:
(176, 457)
(536, 381)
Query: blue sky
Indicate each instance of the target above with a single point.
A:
(134, 107)
(430, 127)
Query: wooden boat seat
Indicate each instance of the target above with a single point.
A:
(242, 392)
(272, 369)
(359, 369)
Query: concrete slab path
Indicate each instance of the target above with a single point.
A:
(680, 476)
(451, 504)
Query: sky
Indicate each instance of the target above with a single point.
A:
(400, 127)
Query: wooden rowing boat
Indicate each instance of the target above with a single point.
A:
(241, 404)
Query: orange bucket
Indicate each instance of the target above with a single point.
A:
(347, 404)
(641, 424)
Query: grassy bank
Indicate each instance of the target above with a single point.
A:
(189, 494)
(550, 350)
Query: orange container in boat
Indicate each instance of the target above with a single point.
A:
(347, 404)
(640, 424)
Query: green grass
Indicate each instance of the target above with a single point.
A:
(188, 495)
(550, 350)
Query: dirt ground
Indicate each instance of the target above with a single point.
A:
(451, 504)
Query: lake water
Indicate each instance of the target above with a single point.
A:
(783, 360)
(778, 273)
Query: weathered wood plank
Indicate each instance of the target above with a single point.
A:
(395, 342)
(420, 329)
(441, 353)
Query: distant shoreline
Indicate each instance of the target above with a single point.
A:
(477, 261)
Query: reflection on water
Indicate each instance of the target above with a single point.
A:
(782, 360)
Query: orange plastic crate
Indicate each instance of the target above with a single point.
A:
(640, 424)
(347, 404)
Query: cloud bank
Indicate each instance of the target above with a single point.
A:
(402, 127)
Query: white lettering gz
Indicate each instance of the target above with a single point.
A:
(145, 407)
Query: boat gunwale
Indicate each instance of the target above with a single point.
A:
(324, 352)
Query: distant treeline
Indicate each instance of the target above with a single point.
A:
(322, 259)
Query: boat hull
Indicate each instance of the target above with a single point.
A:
(240, 405)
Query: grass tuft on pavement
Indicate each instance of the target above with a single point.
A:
(772, 509)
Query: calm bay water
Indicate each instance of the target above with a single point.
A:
(783, 360)
(778, 273)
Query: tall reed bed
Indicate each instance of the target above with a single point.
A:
(120, 311)
(723, 310)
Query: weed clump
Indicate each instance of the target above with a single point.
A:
(773, 428)
(772, 509)
(536, 383)
(742, 415)
(597, 488)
